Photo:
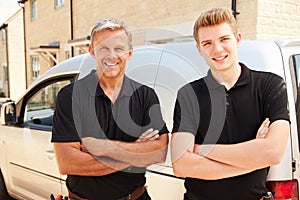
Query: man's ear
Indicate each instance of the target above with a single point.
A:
(91, 50)
(238, 37)
(129, 54)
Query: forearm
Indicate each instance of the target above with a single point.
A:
(252, 154)
(194, 166)
(73, 161)
(246, 155)
(141, 154)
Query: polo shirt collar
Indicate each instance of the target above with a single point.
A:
(94, 88)
(242, 80)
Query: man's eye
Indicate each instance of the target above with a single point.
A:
(119, 49)
(225, 39)
(102, 49)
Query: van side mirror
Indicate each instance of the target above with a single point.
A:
(8, 114)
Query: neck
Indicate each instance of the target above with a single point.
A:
(111, 86)
(228, 77)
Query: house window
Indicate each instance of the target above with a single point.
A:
(68, 54)
(33, 9)
(59, 3)
(35, 63)
(3, 36)
(5, 77)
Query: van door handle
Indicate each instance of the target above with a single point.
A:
(50, 153)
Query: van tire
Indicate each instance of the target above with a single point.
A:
(3, 191)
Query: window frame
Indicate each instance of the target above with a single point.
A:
(35, 67)
(21, 118)
(59, 3)
(33, 8)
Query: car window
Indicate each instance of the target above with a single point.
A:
(295, 65)
(40, 107)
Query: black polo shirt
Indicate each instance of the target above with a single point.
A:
(219, 116)
(83, 110)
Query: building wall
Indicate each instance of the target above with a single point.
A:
(16, 55)
(161, 15)
(151, 21)
(52, 24)
(277, 19)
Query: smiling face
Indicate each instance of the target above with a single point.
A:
(111, 49)
(218, 45)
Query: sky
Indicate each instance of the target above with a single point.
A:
(7, 9)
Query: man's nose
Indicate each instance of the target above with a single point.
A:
(217, 46)
(112, 53)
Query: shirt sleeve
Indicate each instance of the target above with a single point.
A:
(187, 111)
(275, 98)
(64, 129)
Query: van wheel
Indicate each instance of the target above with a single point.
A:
(3, 192)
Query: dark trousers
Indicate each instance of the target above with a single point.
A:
(144, 196)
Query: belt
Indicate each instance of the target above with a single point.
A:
(135, 194)
(132, 196)
(73, 196)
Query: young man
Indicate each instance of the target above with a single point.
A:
(231, 125)
(107, 127)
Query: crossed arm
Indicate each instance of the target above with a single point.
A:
(253, 154)
(97, 157)
(213, 162)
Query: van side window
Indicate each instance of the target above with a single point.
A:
(295, 62)
(40, 107)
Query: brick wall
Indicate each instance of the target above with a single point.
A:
(153, 20)
(278, 19)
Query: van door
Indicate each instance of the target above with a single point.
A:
(32, 168)
(294, 66)
(285, 177)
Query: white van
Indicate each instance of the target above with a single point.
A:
(27, 160)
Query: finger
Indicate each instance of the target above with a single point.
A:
(148, 135)
(154, 137)
(152, 134)
(263, 129)
(263, 133)
(147, 132)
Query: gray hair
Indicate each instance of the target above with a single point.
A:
(111, 24)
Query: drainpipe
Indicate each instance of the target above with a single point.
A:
(21, 4)
(72, 26)
(233, 8)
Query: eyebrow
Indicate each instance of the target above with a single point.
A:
(224, 36)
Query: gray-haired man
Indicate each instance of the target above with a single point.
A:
(104, 136)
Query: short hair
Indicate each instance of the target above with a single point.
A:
(212, 17)
(110, 24)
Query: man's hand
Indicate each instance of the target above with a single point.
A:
(150, 134)
(92, 145)
(262, 133)
(263, 130)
